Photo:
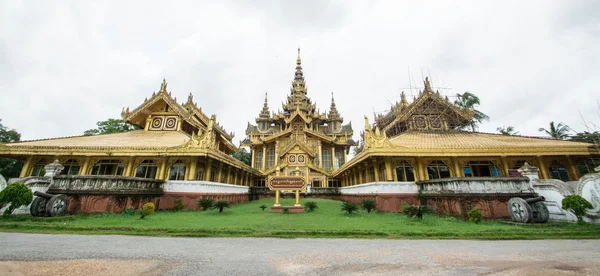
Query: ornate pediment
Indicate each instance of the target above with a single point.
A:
(375, 139)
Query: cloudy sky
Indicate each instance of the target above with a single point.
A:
(64, 65)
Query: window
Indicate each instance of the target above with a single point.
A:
(481, 169)
(200, 168)
(146, 169)
(71, 167)
(405, 172)
(316, 183)
(38, 168)
(108, 167)
(260, 182)
(270, 158)
(213, 174)
(339, 158)
(334, 183)
(558, 171)
(586, 166)
(326, 159)
(437, 169)
(258, 158)
(177, 171)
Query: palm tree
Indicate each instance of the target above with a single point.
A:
(560, 131)
(468, 100)
(509, 130)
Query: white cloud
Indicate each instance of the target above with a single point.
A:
(66, 65)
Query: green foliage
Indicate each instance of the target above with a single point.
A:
(128, 212)
(349, 207)
(413, 211)
(110, 126)
(17, 195)
(205, 203)
(509, 130)
(147, 209)
(179, 204)
(578, 204)
(9, 167)
(369, 205)
(475, 215)
(560, 131)
(285, 211)
(310, 206)
(243, 156)
(220, 205)
(587, 137)
(469, 101)
(263, 207)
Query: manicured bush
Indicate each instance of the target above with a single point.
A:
(475, 215)
(263, 207)
(205, 203)
(17, 195)
(179, 204)
(349, 207)
(415, 210)
(369, 205)
(220, 205)
(147, 209)
(578, 204)
(310, 206)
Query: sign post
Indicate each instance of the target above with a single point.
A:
(286, 183)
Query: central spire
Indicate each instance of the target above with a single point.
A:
(299, 76)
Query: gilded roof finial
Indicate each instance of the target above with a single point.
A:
(427, 86)
(163, 86)
(403, 102)
(190, 99)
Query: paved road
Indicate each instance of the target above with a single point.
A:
(38, 254)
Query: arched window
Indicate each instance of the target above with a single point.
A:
(147, 169)
(177, 171)
(258, 158)
(558, 171)
(481, 169)
(38, 168)
(200, 168)
(108, 167)
(381, 172)
(270, 158)
(326, 159)
(71, 167)
(437, 169)
(405, 172)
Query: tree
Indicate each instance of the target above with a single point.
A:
(587, 137)
(9, 167)
(509, 130)
(243, 156)
(468, 100)
(560, 131)
(111, 126)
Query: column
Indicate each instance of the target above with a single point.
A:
(388, 169)
(264, 159)
(573, 172)
(220, 168)
(229, 180)
(504, 165)
(86, 166)
(277, 198)
(208, 170)
(26, 166)
(252, 161)
(344, 154)
(332, 157)
(191, 173)
(276, 154)
(457, 169)
(166, 169)
(543, 169)
(320, 156)
(129, 168)
(376, 170)
(420, 170)
(361, 175)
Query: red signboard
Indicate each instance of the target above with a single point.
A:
(286, 183)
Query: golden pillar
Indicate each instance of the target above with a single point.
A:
(208, 170)
(219, 175)
(332, 157)
(458, 172)
(228, 181)
(504, 165)
(320, 156)
(166, 169)
(388, 169)
(276, 153)
(573, 171)
(129, 167)
(277, 198)
(191, 175)
(376, 170)
(252, 161)
(421, 170)
(26, 166)
(543, 169)
(86, 166)
(264, 159)
(361, 175)
(297, 199)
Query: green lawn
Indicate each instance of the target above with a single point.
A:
(248, 220)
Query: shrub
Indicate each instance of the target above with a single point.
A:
(147, 209)
(475, 215)
(349, 207)
(17, 195)
(263, 207)
(128, 211)
(285, 211)
(369, 205)
(220, 205)
(415, 210)
(578, 204)
(310, 206)
(205, 203)
(179, 204)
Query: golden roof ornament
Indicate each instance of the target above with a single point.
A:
(427, 86)
(403, 101)
(163, 86)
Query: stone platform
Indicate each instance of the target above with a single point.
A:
(292, 209)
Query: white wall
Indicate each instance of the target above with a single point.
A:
(382, 188)
(181, 186)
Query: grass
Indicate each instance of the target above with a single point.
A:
(248, 220)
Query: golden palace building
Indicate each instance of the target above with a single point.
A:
(415, 141)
